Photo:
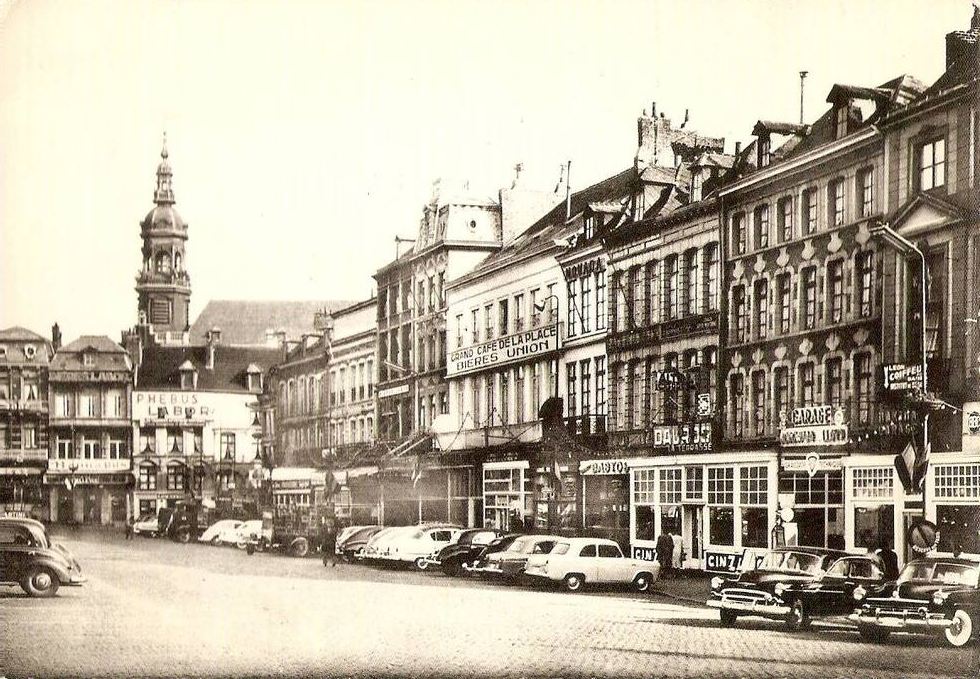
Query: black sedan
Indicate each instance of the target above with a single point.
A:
(832, 594)
(466, 550)
(933, 594)
(30, 559)
(760, 591)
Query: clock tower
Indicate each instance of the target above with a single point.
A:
(163, 286)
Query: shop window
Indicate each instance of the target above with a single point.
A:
(646, 527)
(670, 486)
(958, 481)
(873, 483)
(670, 519)
(755, 527)
(721, 522)
(644, 486)
(694, 484)
(958, 527)
(874, 526)
(721, 486)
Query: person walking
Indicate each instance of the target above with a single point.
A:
(130, 527)
(665, 552)
(890, 560)
(328, 543)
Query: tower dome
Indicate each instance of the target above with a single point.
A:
(164, 217)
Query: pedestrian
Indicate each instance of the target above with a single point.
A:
(890, 560)
(130, 527)
(328, 543)
(676, 561)
(665, 552)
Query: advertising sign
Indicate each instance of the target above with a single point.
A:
(812, 463)
(644, 553)
(520, 346)
(971, 426)
(813, 426)
(171, 405)
(682, 437)
(725, 562)
(604, 468)
(902, 377)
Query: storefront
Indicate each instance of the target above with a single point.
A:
(21, 492)
(719, 504)
(606, 499)
(811, 498)
(953, 489)
(556, 498)
(97, 498)
(507, 496)
(876, 507)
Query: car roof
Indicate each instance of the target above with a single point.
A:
(816, 551)
(958, 560)
(597, 541)
(22, 521)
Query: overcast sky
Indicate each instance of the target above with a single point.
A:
(305, 135)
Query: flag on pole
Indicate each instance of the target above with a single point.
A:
(920, 469)
(905, 466)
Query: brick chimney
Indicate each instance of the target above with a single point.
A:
(654, 136)
(213, 339)
(55, 337)
(964, 44)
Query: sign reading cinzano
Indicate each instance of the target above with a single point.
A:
(520, 346)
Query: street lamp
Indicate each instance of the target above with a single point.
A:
(907, 247)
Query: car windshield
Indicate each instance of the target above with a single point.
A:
(148, 517)
(561, 548)
(520, 545)
(791, 561)
(939, 572)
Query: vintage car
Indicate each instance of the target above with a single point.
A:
(465, 550)
(221, 532)
(377, 544)
(148, 524)
(931, 594)
(576, 562)
(832, 594)
(759, 589)
(28, 558)
(415, 546)
(509, 563)
(348, 545)
(246, 533)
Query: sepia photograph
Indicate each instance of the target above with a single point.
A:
(528, 338)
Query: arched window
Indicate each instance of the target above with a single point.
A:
(163, 262)
(178, 261)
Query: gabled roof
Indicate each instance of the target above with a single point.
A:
(722, 160)
(246, 322)
(941, 206)
(18, 334)
(161, 366)
(107, 355)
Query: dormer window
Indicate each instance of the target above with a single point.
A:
(254, 380)
(188, 376)
(842, 112)
(639, 204)
(697, 182)
(88, 359)
(765, 150)
(590, 226)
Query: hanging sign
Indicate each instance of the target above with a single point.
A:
(604, 468)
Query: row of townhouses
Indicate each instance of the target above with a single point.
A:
(738, 345)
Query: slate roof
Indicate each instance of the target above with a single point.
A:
(245, 322)
(161, 366)
(15, 338)
(107, 354)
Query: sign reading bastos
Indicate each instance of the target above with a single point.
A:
(520, 346)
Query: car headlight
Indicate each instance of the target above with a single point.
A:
(717, 582)
(780, 588)
(859, 593)
(939, 598)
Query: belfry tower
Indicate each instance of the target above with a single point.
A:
(162, 285)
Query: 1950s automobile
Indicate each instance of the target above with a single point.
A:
(28, 558)
(576, 562)
(932, 594)
(832, 594)
(760, 591)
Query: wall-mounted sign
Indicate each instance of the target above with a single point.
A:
(923, 536)
(170, 405)
(88, 479)
(644, 553)
(813, 426)
(812, 463)
(393, 391)
(520, 346)
(88, 465)
(971, 426)
(704, 405)
(682, 437)
(584, 268)
(604, 468)
(902, 376)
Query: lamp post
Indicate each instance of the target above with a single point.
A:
(907, 247)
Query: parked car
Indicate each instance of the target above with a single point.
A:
(832, 594)
(377, 545)
(30, 559)
(349, 545)
(759, 590)
(221, 532)
(576, 562)
(246, 533)
(931, 594)
(148, 524)
(415, 546)
(465, 550)
(510, 562)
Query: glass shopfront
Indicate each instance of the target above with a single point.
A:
(556, 501)
(872, 500)
(818, 507)
(507, 496)
(956, 493)
(606, 507)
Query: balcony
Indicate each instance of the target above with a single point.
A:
(87, 466)
(23, 405)
(674, 329)
(496, 435)
(24, 454)
(586, 425)
(148, 277)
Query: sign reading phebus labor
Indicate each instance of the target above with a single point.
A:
(503, 350)
(814, 426)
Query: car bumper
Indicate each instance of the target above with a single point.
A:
(768, 610)
(904, 619)
(75, 580)
(489, 569)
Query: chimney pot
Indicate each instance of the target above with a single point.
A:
(738, 148)
(55, 337)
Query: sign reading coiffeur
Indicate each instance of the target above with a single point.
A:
(520, 346)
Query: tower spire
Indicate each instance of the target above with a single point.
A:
(164, 195)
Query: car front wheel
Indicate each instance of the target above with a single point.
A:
(641, 583)
(184, 535)
(420, 563)
(574, 582)
(960, 632)
(874, 634)
(797, 619)
(727, 618)
(299, 547)
(40, 581)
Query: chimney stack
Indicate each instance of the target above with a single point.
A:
(55, 337)
(962, 45)
(738, 148)
(213, 338)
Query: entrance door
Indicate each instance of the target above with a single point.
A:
(93, 506)
(694, 523)
(66, 508)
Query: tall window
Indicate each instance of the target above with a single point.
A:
(535, 387)
(693, 281)
(835, 206)
(866, 185)
(504, 397)
(636, 296)
(737, 411)
(784, 302)
(739, 314)
(475, 399)
(671, 287)
(739, 244)
(585, 375)
(809, 298)
(762, 309)
(474, 326)
(148, 477)
(175, 441)
(864, 261)
(572, 307)
(228, 445)
(519, 386)
(535, 311)
(785, 217)
(862, 388)
(518, 313)
(600, 385)
(600, 300)
(711, 277)
(488, 322)
(572, 403)
(806, 384)
(503, 317)
(670, 396)
(762, 226)
(759, 402)
(721, 498)
(932, 164)
(780, 392)
(835, 382)
(835, 284)
(586, 302)
(809, 211)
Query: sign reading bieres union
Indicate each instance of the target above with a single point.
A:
(520, 346)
